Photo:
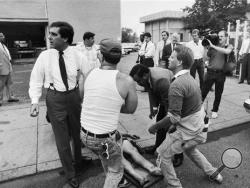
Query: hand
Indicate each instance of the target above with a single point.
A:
(151, 129)
(210, 43)
(34, 110)
(171, 129)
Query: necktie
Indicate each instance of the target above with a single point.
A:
(63, 70)
(146, 46)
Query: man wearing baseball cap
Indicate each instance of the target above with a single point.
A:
(107, 93)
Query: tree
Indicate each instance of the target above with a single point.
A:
(214, 14)
(128, 35)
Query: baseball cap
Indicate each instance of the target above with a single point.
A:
(111, 48)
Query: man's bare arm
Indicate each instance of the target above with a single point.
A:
(131, 99)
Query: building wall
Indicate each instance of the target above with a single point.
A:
(170, 25)
(99, 16)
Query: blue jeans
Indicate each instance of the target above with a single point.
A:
(174, 144)
(112, 166)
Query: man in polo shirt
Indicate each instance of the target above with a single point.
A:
(215, 74)
(107, 93)
(198, 51)
(186, 116)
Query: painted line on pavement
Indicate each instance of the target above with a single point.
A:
(23, 71)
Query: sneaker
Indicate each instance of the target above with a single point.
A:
(214, 115)
(218, 179)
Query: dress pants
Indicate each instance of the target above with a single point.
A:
(148, 62)
(64, 110)
(218, 78)
(245, 70)
(161, 133)
(199, 66)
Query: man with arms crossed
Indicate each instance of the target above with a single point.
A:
(186, 115)
(107, 93)
(57, 69)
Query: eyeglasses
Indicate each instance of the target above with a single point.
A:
(105, 147)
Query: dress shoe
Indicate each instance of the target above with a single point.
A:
(13, 100)
(178, 159)
(73, 182)
(241, 82)
(124, 183)
(61, 172)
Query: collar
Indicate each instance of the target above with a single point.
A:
(184, 71)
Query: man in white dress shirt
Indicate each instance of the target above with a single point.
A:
(158, 52)
(198, 51)
(58, 70)
(245, 55)
(90, 49)
(147, 51)
(5, 71)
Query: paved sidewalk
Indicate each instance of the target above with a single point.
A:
(27, 144)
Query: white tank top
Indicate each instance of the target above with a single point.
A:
(102, 102)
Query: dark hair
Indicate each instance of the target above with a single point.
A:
(65, 30)
(139, 70)
(142, 37)
(88, 35)
(112, 60)
(185, 55)
(147, 34)
(167, 33)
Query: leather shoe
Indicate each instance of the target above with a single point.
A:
(241, 82)
(178, 159)
(73, 182)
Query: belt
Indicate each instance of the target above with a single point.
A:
(198, 59)
(214, 70)
(69, 91)
(106, 135)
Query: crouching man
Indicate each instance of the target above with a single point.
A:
(186, 115)
(107, 92)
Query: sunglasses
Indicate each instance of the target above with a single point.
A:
(105, 147)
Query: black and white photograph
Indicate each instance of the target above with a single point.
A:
(125, 94)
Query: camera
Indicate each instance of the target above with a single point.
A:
(214, 38)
